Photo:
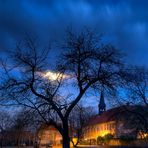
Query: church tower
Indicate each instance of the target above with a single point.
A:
(102, 105)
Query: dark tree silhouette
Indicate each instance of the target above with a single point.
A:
(138, 85)
(5, 124)
(22, 122)
(79, 116)
(137, 93)
(85, 63)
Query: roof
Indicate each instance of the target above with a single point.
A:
(113, 114)
(46, 127)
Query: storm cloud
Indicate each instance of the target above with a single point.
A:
(124, 22)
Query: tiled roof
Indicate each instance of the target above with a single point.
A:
(113, 114)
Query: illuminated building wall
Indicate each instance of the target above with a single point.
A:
(49, 135)
(92, 132)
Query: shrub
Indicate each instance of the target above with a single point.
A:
(107, 138)
(125, 139)
(100, 140)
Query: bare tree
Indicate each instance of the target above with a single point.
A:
(137, 93)
(84, 63)
(5, 124)
(21, 127)
(137, 85)
(77, 120)
(17, 129)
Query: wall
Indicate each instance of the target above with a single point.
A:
(49, 135)
(92, 132)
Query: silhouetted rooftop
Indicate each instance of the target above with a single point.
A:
(116, 113)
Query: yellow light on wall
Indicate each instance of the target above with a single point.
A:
(103, 133)
(74, 140)
(145, 135)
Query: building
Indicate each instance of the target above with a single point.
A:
(48, 135)
(109, 122)
(119, 121)
(102, 105)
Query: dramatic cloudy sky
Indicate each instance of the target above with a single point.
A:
(124, 22)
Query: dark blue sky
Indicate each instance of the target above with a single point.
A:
(124, 22)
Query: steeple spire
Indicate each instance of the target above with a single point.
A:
(102, 105)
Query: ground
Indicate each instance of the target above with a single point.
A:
(89, 147)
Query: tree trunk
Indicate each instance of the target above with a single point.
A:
(66, 142)
(1, 143)
(66, 139)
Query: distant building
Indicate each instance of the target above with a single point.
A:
(49, 135)
(117, 121)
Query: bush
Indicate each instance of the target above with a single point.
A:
(107, 138)
(125, 139)
(100, 140)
